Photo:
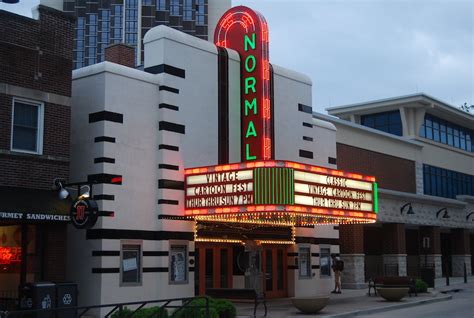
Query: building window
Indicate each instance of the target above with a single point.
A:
(304, 262)
(146, 2)
(174, 7)
(160, 5)
(389, 122)
(27, 126)
(446, 183)
(447, 133)
(131, 264)
(178, 264)
(188, 10)
(200, 12)
(325, 262)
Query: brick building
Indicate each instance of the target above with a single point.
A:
(35, 115)
(421, 152)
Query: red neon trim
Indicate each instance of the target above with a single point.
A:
(116, 180)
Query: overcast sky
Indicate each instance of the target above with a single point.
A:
(356, 50)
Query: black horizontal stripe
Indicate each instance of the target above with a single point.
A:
(332, 160)
(104, 160)
(104, 139)
(191, 269)
(315, 254)
(166, 201)
(155, 253)
(108, 197)
(306, 154)
(167, 69)
(105, 253)
(308, 138)
(305, 109)
(173, 217)
(103, 178)
(292, 266)
(316, 240)
(307, 125)
(168, 147)
(167, 166)
(192, 253)
(105, 270)
(168, 106)
(155, 269)
(292, 254)
(336, 227)
(314, 266)
(115, 234)
(169, 89)
(106, 116)
(170, 184)
(168, 126)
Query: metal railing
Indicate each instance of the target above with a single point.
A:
(122, 310)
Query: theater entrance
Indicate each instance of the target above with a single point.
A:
(237, 266)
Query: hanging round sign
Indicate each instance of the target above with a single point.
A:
(84, 213)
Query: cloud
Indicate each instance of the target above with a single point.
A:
(356, 51)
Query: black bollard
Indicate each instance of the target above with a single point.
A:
(465, 274)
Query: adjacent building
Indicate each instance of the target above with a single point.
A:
(35, 122)
(101, 23)
(421, 150)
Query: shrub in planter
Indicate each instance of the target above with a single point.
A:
(421, 286)
(224, 308)
(152, 312)
(191, 312)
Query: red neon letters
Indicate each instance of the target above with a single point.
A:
(246, 31)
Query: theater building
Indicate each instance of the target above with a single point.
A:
(35, 99)
(421, 151)
(227, 180)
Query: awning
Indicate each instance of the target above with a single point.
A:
(32, 205)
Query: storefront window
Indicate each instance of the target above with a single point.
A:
(178, 264)
(325, 262)
(304, 257)
(131, 264)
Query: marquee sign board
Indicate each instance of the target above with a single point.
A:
(279, 190)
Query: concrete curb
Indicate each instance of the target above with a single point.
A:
(388, 308)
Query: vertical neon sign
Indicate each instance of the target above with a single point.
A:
(246, 31)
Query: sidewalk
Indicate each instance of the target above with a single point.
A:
(350, 303)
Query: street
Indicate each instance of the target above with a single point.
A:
(461, 306)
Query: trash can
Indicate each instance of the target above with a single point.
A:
(427, 274)
(66, 296)
(39, 295)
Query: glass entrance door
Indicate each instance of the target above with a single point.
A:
(213, 267)
(274, 271)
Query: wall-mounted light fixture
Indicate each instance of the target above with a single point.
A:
(63, 193)
(445, 214)
(407, 208)
(467, 216)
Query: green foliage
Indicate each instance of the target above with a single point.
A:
(152, 312)
(224, 308)
(218, 308)
(421, 286)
